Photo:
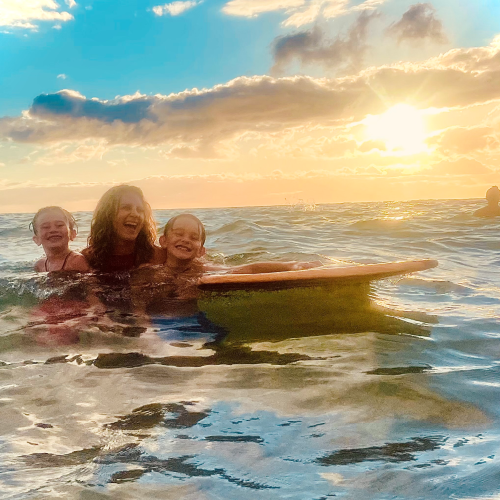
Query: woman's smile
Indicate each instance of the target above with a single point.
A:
(129, 218)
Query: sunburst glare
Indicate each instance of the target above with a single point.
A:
(401, 128)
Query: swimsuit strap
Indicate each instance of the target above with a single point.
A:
(64, 262)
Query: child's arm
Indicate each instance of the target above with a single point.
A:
(263, 267)
(273, 267)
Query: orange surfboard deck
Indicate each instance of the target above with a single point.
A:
(322, 276)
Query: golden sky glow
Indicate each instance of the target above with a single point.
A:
(343, 101)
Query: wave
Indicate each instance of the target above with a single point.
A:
(14, 232)
(238, 227)
(439, 286)
(380, 224)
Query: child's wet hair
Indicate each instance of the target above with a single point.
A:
(170, 224)
(69, 218)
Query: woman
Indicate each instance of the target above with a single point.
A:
(122, 232)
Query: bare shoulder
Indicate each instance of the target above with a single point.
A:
(40, 265)
(159, 256)
(487, 212)
(77, 262)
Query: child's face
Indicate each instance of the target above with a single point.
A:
(52, 230)
(129, 218)
(183, 241)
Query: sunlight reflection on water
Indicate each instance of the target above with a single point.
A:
(388, 392)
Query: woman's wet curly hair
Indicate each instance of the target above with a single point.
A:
(102, 232)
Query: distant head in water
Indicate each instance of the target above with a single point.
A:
(493, 195)
(492, 209)
(122, 224)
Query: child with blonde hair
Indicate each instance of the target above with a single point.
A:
(183, 241)
(53, 229)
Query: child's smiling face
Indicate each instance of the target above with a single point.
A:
(184, 240)
(129, 218)
(53, 230)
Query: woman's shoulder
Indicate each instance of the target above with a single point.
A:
(487, 212)
(77, 262)
(159, 256)
(88, 255)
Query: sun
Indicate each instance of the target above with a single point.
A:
(401, 128)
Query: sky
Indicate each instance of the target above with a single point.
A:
(213, 103)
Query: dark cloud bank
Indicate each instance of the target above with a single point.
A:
(313, 47)
(418, 23)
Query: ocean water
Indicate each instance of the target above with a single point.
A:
(382, 392)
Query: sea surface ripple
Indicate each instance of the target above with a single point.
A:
(356, 392)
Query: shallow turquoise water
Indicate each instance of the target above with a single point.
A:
(309, 394)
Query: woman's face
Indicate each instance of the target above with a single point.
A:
(129, 218)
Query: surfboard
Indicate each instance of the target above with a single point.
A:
(323, 276)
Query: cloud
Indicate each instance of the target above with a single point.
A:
(252, 8)
(368, 5)
(312, 11)
(196, 119)
(473, 59)
(22, 14)
(204, 150)
(62, 76)
(174, 8)
(90, 150)
(70, 3)
(205, 122)
(369, 146)
(417, 24)
(299, 12)
(302, 145)
(464, 166)
(312, 47)
(465, 140)
(70, 103)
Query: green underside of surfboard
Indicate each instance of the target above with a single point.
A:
(277, 315)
